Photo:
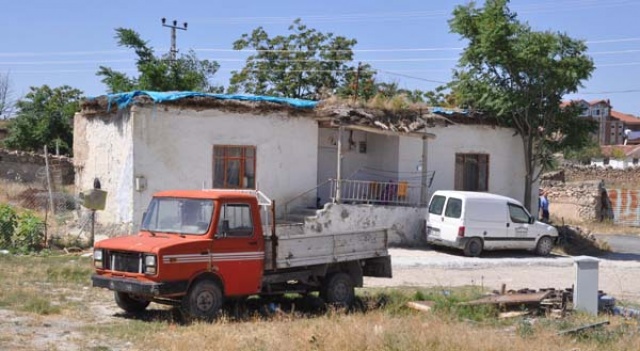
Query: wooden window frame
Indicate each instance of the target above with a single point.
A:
(459, 172)
(242, 171)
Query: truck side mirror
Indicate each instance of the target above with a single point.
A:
(223, 229)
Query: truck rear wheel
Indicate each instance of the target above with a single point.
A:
(130, 303)
(203, 301)
(473, 247)
(338, 290)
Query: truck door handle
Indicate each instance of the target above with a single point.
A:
(253, 243)
(507, 225)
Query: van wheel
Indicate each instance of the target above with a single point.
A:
(338, 290)
(545, 245)
(473, 247)
(203, 301)
(130, 303)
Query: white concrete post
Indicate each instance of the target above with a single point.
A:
(585, 291)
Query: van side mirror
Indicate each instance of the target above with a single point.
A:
(532, 219)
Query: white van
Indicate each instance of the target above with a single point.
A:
(474, 221)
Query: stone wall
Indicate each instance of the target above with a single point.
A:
(578, 173)
(30, 167)
(575, 201)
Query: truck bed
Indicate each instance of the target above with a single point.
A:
(313, 249)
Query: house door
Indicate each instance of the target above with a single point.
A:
(327, 168)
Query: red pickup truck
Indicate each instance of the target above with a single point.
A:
(197, 248)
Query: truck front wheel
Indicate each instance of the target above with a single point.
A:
(130, 303)
(203, 301)
(338, 290)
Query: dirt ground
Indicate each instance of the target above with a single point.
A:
(419, 268)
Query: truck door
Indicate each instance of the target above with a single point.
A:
(519, 233)
(238, 248)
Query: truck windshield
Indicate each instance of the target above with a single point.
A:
(178, 215)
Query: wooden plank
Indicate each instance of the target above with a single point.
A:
(511, 299)
(424, 306)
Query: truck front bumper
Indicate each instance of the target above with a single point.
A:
(139, 288)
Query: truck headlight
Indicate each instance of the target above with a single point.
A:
(97, 258)
(150, 266)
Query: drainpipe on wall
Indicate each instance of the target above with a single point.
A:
(339, 166)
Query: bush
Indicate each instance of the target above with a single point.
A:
(8, 223)
(29, 233)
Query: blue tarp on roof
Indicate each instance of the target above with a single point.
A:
(126, 99)
(448, 111)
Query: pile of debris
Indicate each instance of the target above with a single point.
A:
(549, 302)
(574, 240)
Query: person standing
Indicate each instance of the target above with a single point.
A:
(543, 206)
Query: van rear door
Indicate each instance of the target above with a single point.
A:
(445, 218)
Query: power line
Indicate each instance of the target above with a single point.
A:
(412, 77)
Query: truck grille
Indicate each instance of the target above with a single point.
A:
(130, 262)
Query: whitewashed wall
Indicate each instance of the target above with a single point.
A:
(173, 149)
(506, 157)
(103, 149)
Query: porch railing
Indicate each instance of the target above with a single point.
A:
(400, 193)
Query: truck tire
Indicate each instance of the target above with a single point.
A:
(544, 246)
(203, 301)
(338, 290)
(130, 303)
(473, 247)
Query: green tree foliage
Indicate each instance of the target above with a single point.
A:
(159, 73)
(519, 76)
(45, 117)
(8, 222)
(304, 64)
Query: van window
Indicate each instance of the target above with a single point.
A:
(437, 204)
(518, 214)
(454, 208)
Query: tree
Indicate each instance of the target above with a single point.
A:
(45, 117)
(518, 76)
(305, 64)
(159, 73)
(6, 102)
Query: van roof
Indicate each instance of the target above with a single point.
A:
(474, 195)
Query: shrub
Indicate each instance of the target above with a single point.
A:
(29, 233)
(8, 222)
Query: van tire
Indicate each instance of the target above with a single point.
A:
(203, 301)
(473, 247)
(544, 246)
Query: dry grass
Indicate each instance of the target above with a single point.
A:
(378, 330)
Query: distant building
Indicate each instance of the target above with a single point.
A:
(613, 126)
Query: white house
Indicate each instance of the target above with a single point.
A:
(289, 150)
(618, 157)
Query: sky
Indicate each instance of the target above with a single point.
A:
(407, 41)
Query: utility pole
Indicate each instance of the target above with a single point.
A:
(174, 26)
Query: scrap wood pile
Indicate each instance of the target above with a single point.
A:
(549, 302)
(574, 240)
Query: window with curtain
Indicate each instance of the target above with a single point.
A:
(234, 166)
(472, 172)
